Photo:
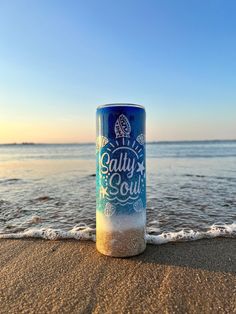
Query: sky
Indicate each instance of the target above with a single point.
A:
(59, 60)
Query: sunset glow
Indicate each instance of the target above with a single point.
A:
(59, 61)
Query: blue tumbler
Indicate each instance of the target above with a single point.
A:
(120, 180)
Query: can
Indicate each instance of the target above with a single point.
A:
(120, 180)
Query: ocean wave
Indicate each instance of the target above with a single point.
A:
(214, 231)
(10, 180)
(83, 232)
(210, 177)
(78, 233)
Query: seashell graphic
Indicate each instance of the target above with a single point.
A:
(101, 142)
(141, 139)
(109, 209)
(122, 127)
(138, 205)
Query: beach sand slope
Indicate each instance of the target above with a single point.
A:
(39, 276)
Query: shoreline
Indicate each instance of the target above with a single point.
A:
(39, 276)
(227, 231)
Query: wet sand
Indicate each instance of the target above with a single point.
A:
(39, 276)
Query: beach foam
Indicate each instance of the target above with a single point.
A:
(78, 233)
(82, 232)
(190, 235)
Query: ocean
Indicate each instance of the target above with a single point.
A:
(48, 191)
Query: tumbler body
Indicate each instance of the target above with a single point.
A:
(120, 180)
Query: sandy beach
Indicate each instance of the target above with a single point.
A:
(38, 276)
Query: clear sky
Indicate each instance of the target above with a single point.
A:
(60, 59)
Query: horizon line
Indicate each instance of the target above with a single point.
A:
(93, 143)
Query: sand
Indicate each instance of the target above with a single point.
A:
(39, 276)
(121, 243)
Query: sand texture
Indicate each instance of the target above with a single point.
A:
(121, 243)
(39, 276)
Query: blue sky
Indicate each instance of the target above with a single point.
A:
(60, 59)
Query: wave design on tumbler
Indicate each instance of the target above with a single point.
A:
(122, 201)
(87, 233)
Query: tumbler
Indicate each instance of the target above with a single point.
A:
(120, 180)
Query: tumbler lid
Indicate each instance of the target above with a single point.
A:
(121, 105)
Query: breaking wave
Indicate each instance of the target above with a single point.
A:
(87, 233)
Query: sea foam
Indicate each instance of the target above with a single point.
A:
(190, 235)
(87, 233)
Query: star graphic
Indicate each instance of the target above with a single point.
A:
(141, 168)
(103, 191)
